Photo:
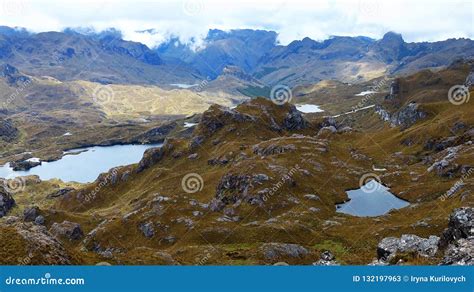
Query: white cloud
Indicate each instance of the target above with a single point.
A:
(416, 20)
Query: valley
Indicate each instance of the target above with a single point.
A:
(229, 174)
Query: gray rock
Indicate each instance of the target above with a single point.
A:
(67, 229)
(30, 214)
(24, 165)
(193, 156)
(60, 193)
(327, 130)
(294, 120)
(326, 259)
(39, 220)
(460, 253)
(273, 149)
(461, 225)
(274, 251)
(8, 132)
(147, 229)
(312, 197)
(6, 201)
(390, 246)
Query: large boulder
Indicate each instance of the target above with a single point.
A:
(389, 247)
(461, 225)
(294, 120)
(24, 165)
(6, 201)
(277, 251)
(8, 132)
(460, 253)
(30, 214)
(67, 229)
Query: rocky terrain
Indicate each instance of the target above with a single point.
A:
(259, 184)
(240, 179)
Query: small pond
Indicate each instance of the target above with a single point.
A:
(308, 108)
(83, 164)
(372, 199)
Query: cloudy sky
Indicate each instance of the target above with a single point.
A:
(292, 19)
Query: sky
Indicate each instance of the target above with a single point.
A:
(153, 22)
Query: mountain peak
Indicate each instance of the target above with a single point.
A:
(392, 37)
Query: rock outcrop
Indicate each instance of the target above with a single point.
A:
(460, 253)
(43, 248)
(326, 259)
(404, 118)
(68, 230)
(294, 120)
(233, 188)
(24, 165)
(12, 75)
(8, 132)
(275, 252)
(6, 201)
(461, 225)
(389, 247)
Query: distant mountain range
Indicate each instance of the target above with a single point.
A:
(107, 58)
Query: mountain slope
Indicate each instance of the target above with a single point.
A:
(104, 58)
(265, 181)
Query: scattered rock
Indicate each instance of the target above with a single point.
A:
(24, 165)
(312, 197)
(39, 220)
(275, 251)
(67, 229)
(388, 248)
(30, 214)
(272, 149)
(327, 130)
(147, 229)
(42, 247)
(60, 193)
(8, 132)
(460, 253)
(294, 120)
(326, 259)
(193, 156)
(6, 201)
(461, 225)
